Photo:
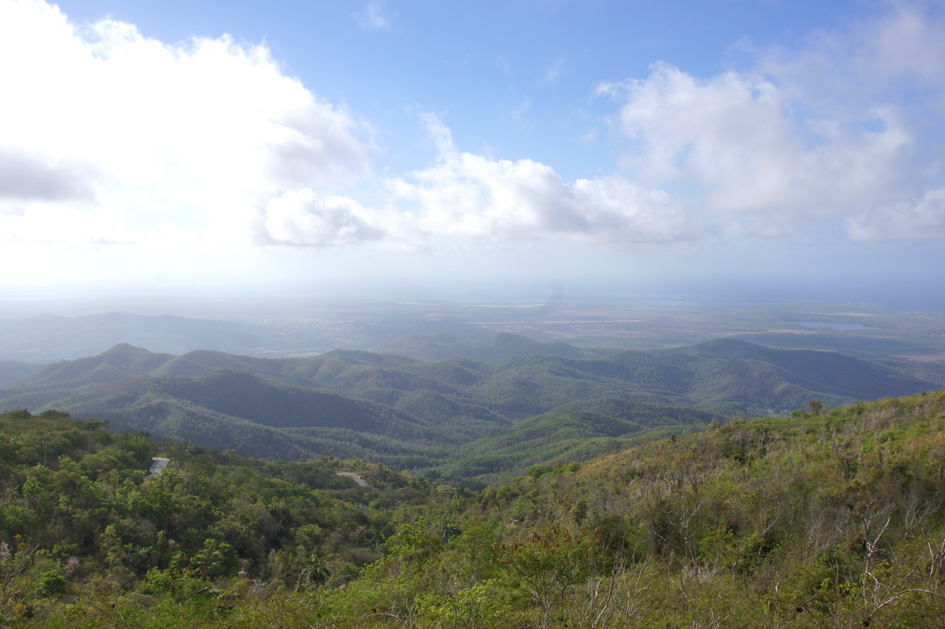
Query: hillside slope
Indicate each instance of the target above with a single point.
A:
(438, 347)
(11, 371)
(822, 519)
(833, 518)
(470, 414)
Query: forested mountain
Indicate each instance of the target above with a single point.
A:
(120, 362)
(79, 513)
(436, 347)
(11, 371)
(733, 370)
(571, 434)
(832, 517)
(470, 418)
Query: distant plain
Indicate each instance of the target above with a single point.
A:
(47, 331)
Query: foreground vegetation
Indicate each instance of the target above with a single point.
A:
(825, 518)
(84, 527)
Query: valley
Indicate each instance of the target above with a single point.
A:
(497, 407)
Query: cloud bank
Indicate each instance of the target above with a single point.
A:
(106, 126)
(467, 197)
(108, 137)
(836, 129)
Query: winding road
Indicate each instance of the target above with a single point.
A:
(355, 477)
(157, 466)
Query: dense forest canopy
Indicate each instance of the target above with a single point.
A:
(828, 517)
(460, 418)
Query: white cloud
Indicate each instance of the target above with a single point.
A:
(466, 197)
(922, 220)
(43, 222)
(902, 46)
(439, 133)
(467, 201)
(111, 138)
(110, 124)
(303, 218)
(836, 128)
(556, 71)
(736, 136)
(114, 138)
(373, 17)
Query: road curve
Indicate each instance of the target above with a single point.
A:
(157, 466)
(355, 477)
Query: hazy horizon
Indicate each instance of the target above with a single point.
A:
(237, 304)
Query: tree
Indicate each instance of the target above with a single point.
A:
(548, 566)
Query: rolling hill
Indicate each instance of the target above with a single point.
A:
(11, 371)
(832, 517)
(483, 417)
(437, 347)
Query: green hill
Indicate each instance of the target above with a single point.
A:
(832, 373)
(119, 362)
(80, 517)
(240, 411)
(438, 347)
(572, 432)
(833, 517)
(403, 411)
(11, 371)
(199, 362)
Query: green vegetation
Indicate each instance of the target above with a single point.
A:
(829, 517)
(78, 513)
(571, 433)
(459, 418)
(439, 347)
(12, 371)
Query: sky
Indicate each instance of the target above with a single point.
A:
(395, 148)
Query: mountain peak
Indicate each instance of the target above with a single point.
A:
(124, 348)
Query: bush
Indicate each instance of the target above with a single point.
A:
(52, 583)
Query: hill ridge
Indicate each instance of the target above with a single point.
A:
(396, 409)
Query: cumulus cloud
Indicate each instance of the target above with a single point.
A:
(305, 219)
(107, 136)
(439, 133)
(922, 220)
(735, 135)
(26, 177)
(465, 197)
(41, 223)
(836, 128)
(467, 201)
(875, 58)
(373, 16)
(110, 123)
(116, 138)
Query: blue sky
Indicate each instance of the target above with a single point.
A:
(392, 148)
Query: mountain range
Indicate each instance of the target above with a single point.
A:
(517, 402)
